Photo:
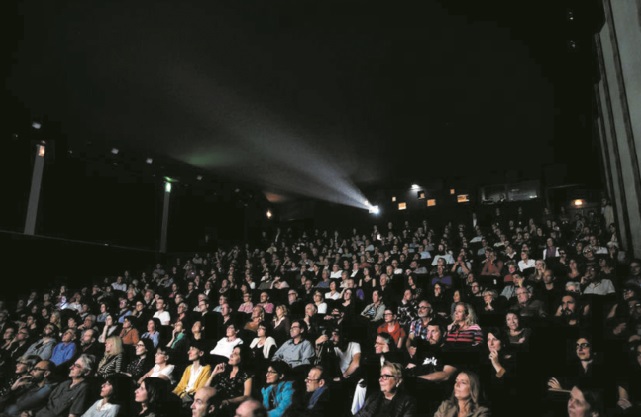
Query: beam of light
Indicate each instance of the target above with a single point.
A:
(277, 153)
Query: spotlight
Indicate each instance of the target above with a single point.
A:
(463, 198)
(431, 202)
(167, 187)
(41, 150)
(36, 125)
(393, 199)
(415, 187)
(402, 206)
(269, 214)
(115, 151)
(374, 210)
(150, 161)
(452, 191)
(579, 202)
(199, 177)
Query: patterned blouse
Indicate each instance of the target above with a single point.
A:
(230, 387)
(110, 365)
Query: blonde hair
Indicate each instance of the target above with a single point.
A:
(117, 347)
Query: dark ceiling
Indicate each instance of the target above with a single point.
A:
(278, 93)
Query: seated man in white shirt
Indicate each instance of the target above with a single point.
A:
(161, 314)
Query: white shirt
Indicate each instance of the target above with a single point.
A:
(164, 317)
(345, 358)
(224, 347)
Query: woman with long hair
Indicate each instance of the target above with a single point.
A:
(111, 328)
(112, 362)
(143, 361)
(463, 333)
(465, 398)
(231, 380)
(281, 324)
(151, 395)
(111, 399)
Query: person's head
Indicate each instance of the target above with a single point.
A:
(42, 370)
(495, 339)
(68, 336)
(464, 314)
(197, 327)
(196, 350)
(110, 389)
(391, 377)
(251, 408)
(435, 332)
(113, 345)
(467, 389)
(316, 378)
(522, 295)
(568, 304)
(281, 311)
(231, 331)
(424, 309)
(298, 329)
(585, 402)
(583, 348)
(144, 347)
(276, 372)
(206, 402)
(389, 316)
(153, 325)
(151, 392)
(88, 337)
(163, 353)
(25, 363)
(82, 367)
(384, 343)
(513, 321)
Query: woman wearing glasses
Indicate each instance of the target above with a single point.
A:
(162, 368)
(390, 400)
(278, 394)
(143, 361)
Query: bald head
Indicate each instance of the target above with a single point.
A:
(205, 402)
(251, 408)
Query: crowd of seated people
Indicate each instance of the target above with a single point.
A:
(540, 315)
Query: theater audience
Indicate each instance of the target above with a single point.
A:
(567, 295)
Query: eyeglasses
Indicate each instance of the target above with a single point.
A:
(294, 327)
(423, 307)
(39, 369)
(385, 377)
(582, 345)
(271, 372)
(75, 365)
(312, 379)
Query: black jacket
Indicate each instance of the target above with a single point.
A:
(402, 405)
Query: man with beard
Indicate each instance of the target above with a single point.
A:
(418, 327)
(89, 344)
(41, 385)
(431, 379)
(569, 313)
